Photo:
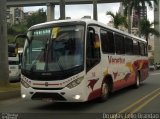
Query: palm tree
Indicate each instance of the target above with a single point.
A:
(137, 5)
(147, 28)
(118, 19)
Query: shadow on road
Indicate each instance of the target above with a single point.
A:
(69, 106)
(126, 90)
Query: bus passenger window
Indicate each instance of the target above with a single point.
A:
(136, 48)
(119, 44)
(93, 49)
(107, 41)
(142, 48)
(128, 46)
(146, 50)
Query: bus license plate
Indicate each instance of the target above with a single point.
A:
(47, 99)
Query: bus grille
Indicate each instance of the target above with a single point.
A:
(53, 96)
(47, 88)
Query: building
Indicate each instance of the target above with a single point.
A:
(134, 18)
(157, 27)
(151, 49)
(15, 15)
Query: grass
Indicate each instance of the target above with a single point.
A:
(10, 87)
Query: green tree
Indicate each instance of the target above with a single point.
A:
(36, 18)
(137, 5)
(147, 29)
(14, 30)
(118, 19)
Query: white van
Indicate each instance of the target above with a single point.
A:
(14, 68)
(14, 62)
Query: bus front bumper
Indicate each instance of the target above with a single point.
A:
(63, 95)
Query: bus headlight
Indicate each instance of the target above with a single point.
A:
(75, 83)
(25, 84)
(23, 96)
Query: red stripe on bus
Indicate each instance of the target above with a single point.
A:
(43, 84)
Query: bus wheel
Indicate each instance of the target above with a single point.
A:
(137, 84)
(104, 92)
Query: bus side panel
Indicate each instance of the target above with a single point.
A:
(94, 81)
(144, 70)
(119, 67)
(139, 65)
(123, 69)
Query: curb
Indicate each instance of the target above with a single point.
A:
(9, 95)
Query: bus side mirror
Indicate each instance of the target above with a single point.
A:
(24, 36)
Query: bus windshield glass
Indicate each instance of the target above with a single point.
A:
(54, 49)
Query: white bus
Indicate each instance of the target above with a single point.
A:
(80, 60)
(13, 63)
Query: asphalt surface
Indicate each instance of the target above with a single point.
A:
(126, 103)
(9, 94)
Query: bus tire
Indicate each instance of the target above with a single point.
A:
(104, 92)
(138, 78)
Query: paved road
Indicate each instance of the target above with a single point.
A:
(145, 99)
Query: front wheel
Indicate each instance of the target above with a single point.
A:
(104, 92)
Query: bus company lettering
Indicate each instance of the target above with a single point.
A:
(116, 60)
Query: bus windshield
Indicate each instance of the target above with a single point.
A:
(54, 49)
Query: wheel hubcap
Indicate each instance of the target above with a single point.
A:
(104, 90)
(138, 81)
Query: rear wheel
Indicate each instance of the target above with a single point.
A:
(137, 84)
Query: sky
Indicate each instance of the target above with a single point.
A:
(78, 11)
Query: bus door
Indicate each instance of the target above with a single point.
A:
(93, 66)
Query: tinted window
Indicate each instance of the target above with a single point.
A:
(136, 48)
(128, 45)
(107, 41)
(119, 44)
(13, 62)
(146, 52)
(142, 49)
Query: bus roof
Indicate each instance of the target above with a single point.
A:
(87, 21)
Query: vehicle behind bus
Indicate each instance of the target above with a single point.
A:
(13, 63)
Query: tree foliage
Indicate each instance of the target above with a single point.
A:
(14, 30)
(147, 28)
(36, 18)
(118, 19)
(137, 5)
